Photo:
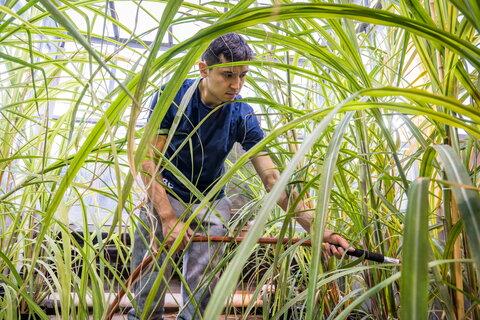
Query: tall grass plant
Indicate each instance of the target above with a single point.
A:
(371, 112)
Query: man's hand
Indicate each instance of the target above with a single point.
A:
(172, 228)
(334, 244)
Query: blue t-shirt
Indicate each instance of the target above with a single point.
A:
(202, 158)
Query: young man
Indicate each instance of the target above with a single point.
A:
(210, 124)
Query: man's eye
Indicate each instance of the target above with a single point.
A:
(228, 75)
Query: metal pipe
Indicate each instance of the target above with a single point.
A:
(359, 253)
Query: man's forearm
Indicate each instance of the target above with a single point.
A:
(156, 192)
(303, 214)
(270, 175)
(172, 227)
(305, 218)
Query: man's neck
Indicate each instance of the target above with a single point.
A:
(211, 102)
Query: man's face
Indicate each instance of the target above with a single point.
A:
(222, 84)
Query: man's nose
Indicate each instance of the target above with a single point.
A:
(236, 83)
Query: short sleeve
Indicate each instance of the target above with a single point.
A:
(166, 123)
(249, 133)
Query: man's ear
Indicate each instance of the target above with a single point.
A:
(203, 69)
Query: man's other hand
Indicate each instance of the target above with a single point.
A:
(334, 244)
(172, 229)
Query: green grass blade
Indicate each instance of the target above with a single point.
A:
(321, 212)
(414, 279)
(471, 10)
(467, 198)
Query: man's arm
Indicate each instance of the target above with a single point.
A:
(267, 171)
(171, 226)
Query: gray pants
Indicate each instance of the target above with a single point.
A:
(198, 260)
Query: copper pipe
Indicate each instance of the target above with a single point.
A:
(264, 240)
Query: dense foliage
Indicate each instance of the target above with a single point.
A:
(371, 113)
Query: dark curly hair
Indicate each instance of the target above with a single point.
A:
(232, 46)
